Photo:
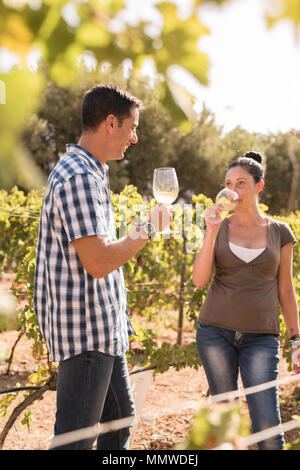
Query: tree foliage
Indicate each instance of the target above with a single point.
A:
(280, 172)
(279, 10)
(199, 156)
(47, 28)
(62, 38)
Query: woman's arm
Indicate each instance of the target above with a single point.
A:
(286, 290)
(204, 260)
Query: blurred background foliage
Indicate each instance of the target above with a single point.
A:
(42, 110)
(200, 156)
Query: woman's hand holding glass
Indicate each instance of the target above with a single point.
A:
(226, 200)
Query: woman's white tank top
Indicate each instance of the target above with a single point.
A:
(245, 254)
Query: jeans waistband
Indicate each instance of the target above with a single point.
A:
(239, 334)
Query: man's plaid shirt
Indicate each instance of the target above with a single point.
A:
(77, 312)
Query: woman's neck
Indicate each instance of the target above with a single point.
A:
(247, 218)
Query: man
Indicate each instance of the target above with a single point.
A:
(80, 295)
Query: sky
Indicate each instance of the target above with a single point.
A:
(254, 73)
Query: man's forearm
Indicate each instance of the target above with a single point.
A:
(116, 253)
(99, 256)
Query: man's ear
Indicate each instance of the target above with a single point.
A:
(111, 123)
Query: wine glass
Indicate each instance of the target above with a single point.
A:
(228, 199)
(165, 187)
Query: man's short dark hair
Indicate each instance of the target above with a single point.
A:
(102, 100)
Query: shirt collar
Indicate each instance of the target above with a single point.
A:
(74, 148)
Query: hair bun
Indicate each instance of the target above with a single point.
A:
(254, 156)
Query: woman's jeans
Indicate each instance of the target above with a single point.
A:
(223, 352)
(93, 387)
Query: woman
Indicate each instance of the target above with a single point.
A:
(238, 324)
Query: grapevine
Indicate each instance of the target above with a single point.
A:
(158, 280)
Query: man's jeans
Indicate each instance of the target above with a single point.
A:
(93, 387)
(223, 352)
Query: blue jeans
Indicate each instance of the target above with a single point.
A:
(223, 352)
(93, 387)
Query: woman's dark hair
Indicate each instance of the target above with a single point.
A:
(102, 100)
(251, 162)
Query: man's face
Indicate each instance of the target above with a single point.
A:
(126, 134)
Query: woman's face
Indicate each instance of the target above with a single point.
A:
(239, 180)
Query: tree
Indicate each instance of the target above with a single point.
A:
(159, 138)
(22, 98)
(199, 158)
(47, 27)
(295, 183)
(279, 176)
(58, 122)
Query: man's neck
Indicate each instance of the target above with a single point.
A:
(90, 142)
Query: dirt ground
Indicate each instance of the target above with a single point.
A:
(165, 403)
(166, 396)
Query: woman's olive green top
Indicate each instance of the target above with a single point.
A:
(244, 296)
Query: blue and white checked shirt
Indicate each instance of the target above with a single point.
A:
(77, 312)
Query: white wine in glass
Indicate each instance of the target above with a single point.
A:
(228, 199)
(166, 197)
(165, 187)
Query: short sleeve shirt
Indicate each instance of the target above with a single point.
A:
(75, 311)
(244, 296)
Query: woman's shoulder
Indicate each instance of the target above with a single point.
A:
(280, 224)
(284, 230)
(266, 220)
